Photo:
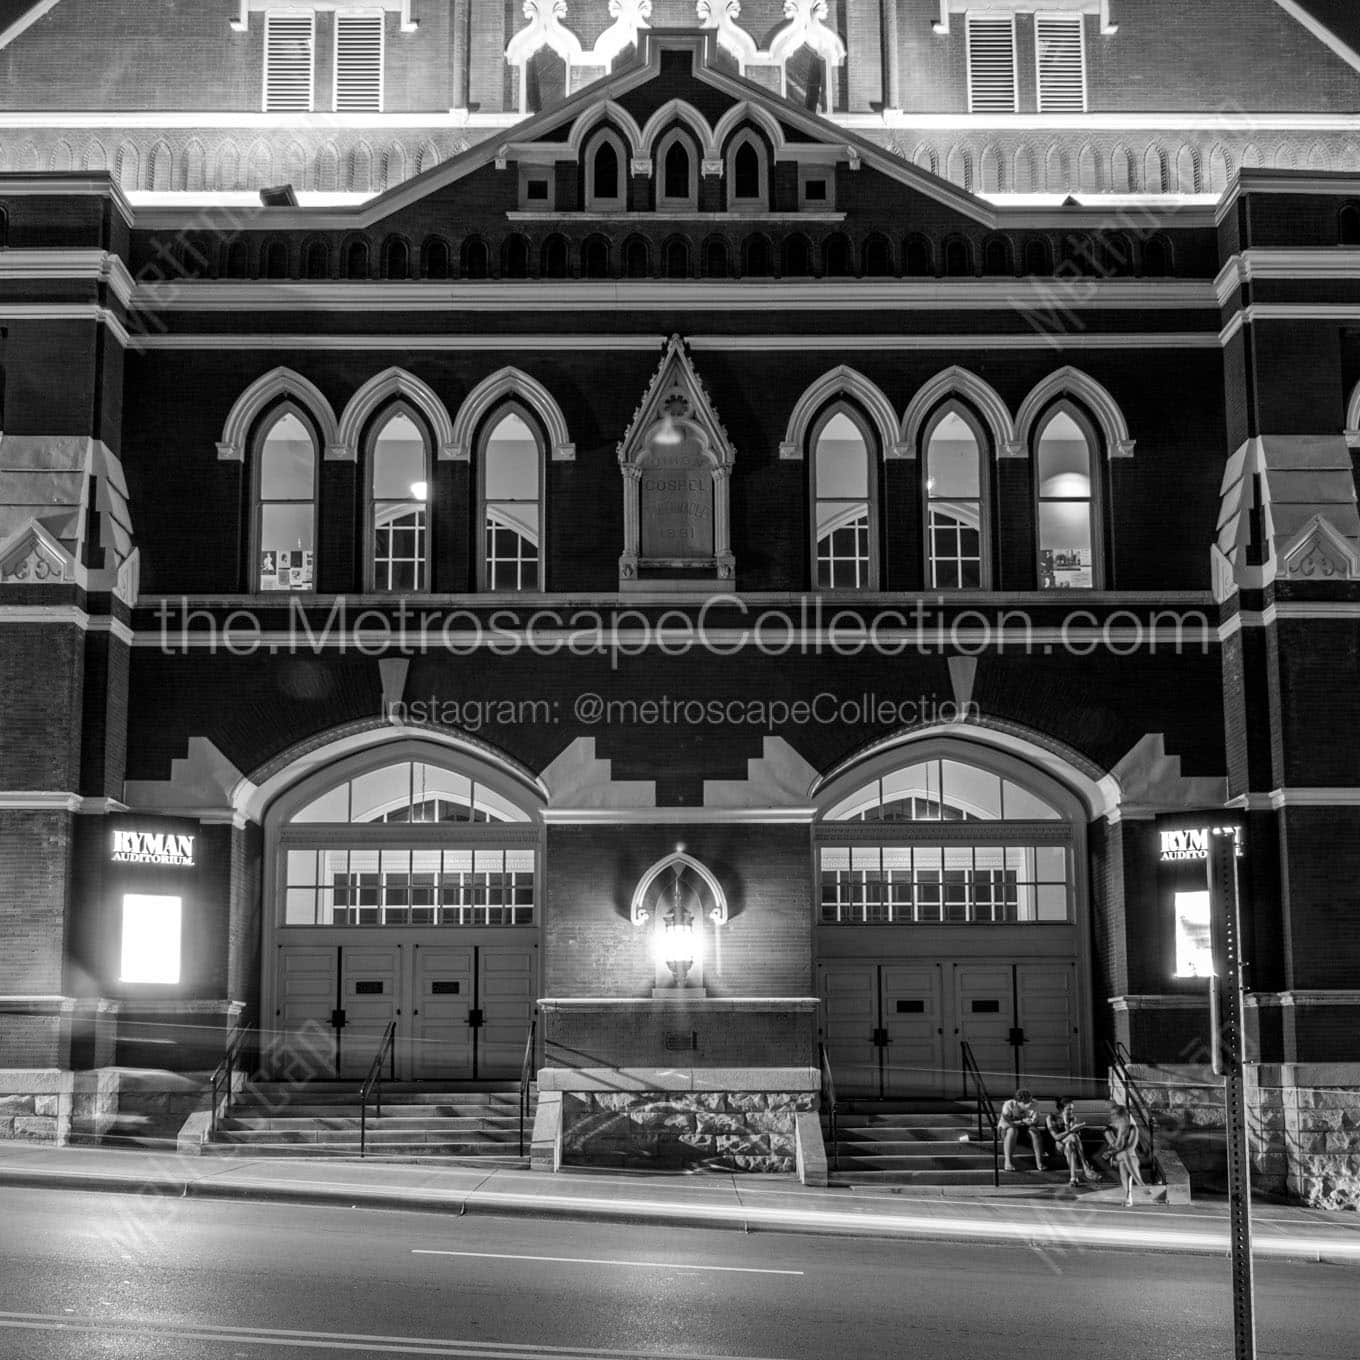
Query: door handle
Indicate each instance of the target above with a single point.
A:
(337, 1019)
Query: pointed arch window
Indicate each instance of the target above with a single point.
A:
(748, 173)
(511, 459)
(399, 487)
(1065, 471)
(956, 503)
(845, 538)
(677, 165)
(606, 173)
(285, 503)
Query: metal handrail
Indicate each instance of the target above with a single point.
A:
(971, 1071)
(1120, 1058)
(526, 1069)
(223, 1077)
(829, 1103)
(373, 1083)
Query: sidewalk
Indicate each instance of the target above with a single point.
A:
(749, 1203)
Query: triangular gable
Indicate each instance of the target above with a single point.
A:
(1334, 23)
(17, 19)
(676, 391)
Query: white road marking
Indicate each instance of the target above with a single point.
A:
(599, 1261)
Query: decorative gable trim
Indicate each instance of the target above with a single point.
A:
(1319, 552)
(33, 557)
(277, 383)
(807, 28)
(843, 380)
(389, 384)
(506, 384)
(956, 381)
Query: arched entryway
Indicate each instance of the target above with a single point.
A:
(952, 905)
(401, 886)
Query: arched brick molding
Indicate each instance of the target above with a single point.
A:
(980, 395)
(1087, 393)
(843, 381)
(389, 385)
(505, 384)
(278, 382)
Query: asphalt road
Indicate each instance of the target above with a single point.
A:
(95, 1275)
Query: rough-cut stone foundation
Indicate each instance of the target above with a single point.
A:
(55, 1106)
(706, 1130)
(1303, 1121)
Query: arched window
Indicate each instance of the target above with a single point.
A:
(1349, 225)
(1065, 494)
(955, 502)
(606, 173)
(511, 460)
(845, 537)
(748, 173)
(285, 503)
(1038, 257)
(515, 257)
(238, 259)
(474, 260)
(795, 258)
(4, 228)
(958, 257)
(434, 258)
(839, 258)
(396, 258)
(677, 165)
(636, 258)
(274, 260)
(997, 256)
(399, 504)
(919, 257)
(756, 257)
(1157, 258)
(877, 256)
(595, 257)
(715, 258)
(675, 258)
(410, 792)
(356, 259)
(554, 257)
(316, 262)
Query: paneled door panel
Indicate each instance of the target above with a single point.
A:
(1046, 1013)
(984, 1016)
(444, 992)
(507, 986)
(910, 1001)
(370, 996)
(302, 1046)
(849, 1020)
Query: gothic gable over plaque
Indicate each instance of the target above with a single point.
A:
(676, 461)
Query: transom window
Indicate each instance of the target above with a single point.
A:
(410, 791)
(1065, 493)
(844, 534)
(285, 523)
(400, 499)
(512, 512)
(943, 790)
(954, 499)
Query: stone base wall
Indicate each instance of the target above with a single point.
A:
(55, 1106)
(666, 1130)
(1303, 1121)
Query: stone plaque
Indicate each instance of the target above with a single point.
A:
(675, 503)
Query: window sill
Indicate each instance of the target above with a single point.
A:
(687, 214)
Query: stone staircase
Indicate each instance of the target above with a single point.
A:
(935, 1143)
(321, 1119)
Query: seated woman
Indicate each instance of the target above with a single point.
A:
(1121, 1147)
(1016, 1114)
(1065, 1131)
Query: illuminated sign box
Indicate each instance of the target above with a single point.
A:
(153, 847)
(151, 938)
(1183, 865)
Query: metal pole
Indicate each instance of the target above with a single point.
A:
(1226, 919)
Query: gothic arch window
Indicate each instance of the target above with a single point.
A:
(748, 173)
(1349, 225)
(756, 257)
(434, 258)
(958, 257)
(844, 498)
(997, 256)
(237, 264)
(399, 498)
(283, 536)
(515, 257)
(954, 464)
(274, 260)
(316, 261)
(877, 256)
(1038, 257)
(919, 257)
(795, 257)
(715, 258)
(474, 259)
(637, 263)
(606, 172)
(510, 467)
(1067, 501)
(595, 257)
(357, 259)
(396, 258)
(677, 173)
(1158, 262)
(553, 264)
(838, 256)
(675, 258)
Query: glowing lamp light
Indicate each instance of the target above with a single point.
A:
(419, 490)
(677, 941)
(669, 433)
(151, 939)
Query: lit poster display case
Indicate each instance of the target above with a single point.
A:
(1183, 886)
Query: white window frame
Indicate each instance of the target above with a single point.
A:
(341, 17)
(619, 201)
(872, 454)
(984, 500)
(761, 203)
(485, 562)
(992, 16)
(310, 16)
(690, 202)
(1077, 21)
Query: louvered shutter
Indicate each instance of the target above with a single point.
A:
(289, 70)
(1060, 44)
(358, 63)
(991, 63)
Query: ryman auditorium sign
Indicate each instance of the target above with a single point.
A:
(148, 847)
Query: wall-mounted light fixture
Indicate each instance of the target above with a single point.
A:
(671, 900)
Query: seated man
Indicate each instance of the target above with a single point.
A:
(1016, 1114)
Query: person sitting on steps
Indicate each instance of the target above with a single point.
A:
(1121, 1142)
(1016, 1114)
(1065, 1131)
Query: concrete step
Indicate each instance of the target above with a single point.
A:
(866, 1152)
(944, 1176)
(934, 1133)
(350, 1110)
(351, 1123)
(483, 1153)
(375, 1137)
(305, 1098)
